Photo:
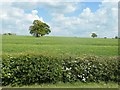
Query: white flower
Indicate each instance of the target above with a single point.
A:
(84, 79)
(67, 69)
(9, 74)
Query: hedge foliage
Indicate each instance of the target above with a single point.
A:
(31, 69)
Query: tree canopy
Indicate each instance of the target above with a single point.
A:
(93, 35)
(39, 28)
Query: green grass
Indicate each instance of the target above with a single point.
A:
(72, 85)
(57, 46)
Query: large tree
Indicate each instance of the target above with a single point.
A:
(93, 35)
(39, 28)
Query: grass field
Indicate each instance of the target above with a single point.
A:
(60, 45)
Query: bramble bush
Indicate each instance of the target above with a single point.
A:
(31, 69)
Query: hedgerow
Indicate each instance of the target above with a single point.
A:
(31, 69)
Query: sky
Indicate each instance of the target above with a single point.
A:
(66, 18)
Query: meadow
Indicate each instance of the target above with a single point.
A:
(57, 46)
(49, 60)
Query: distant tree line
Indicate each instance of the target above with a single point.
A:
(93, 35)
(9, 34)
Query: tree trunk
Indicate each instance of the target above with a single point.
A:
(37, 35)
(41, 34)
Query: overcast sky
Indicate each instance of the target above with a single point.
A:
(65, 18)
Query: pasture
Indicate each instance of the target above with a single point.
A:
(57, 46)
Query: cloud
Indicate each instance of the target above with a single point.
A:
(103, 21)
(59, 0)
(110, 0)
(16, 20)
(49, 5)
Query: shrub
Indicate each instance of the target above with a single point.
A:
(31, 69)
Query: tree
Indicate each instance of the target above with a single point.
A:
(116, 37)
(39, 28)
(105, 37)
(93, 35)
